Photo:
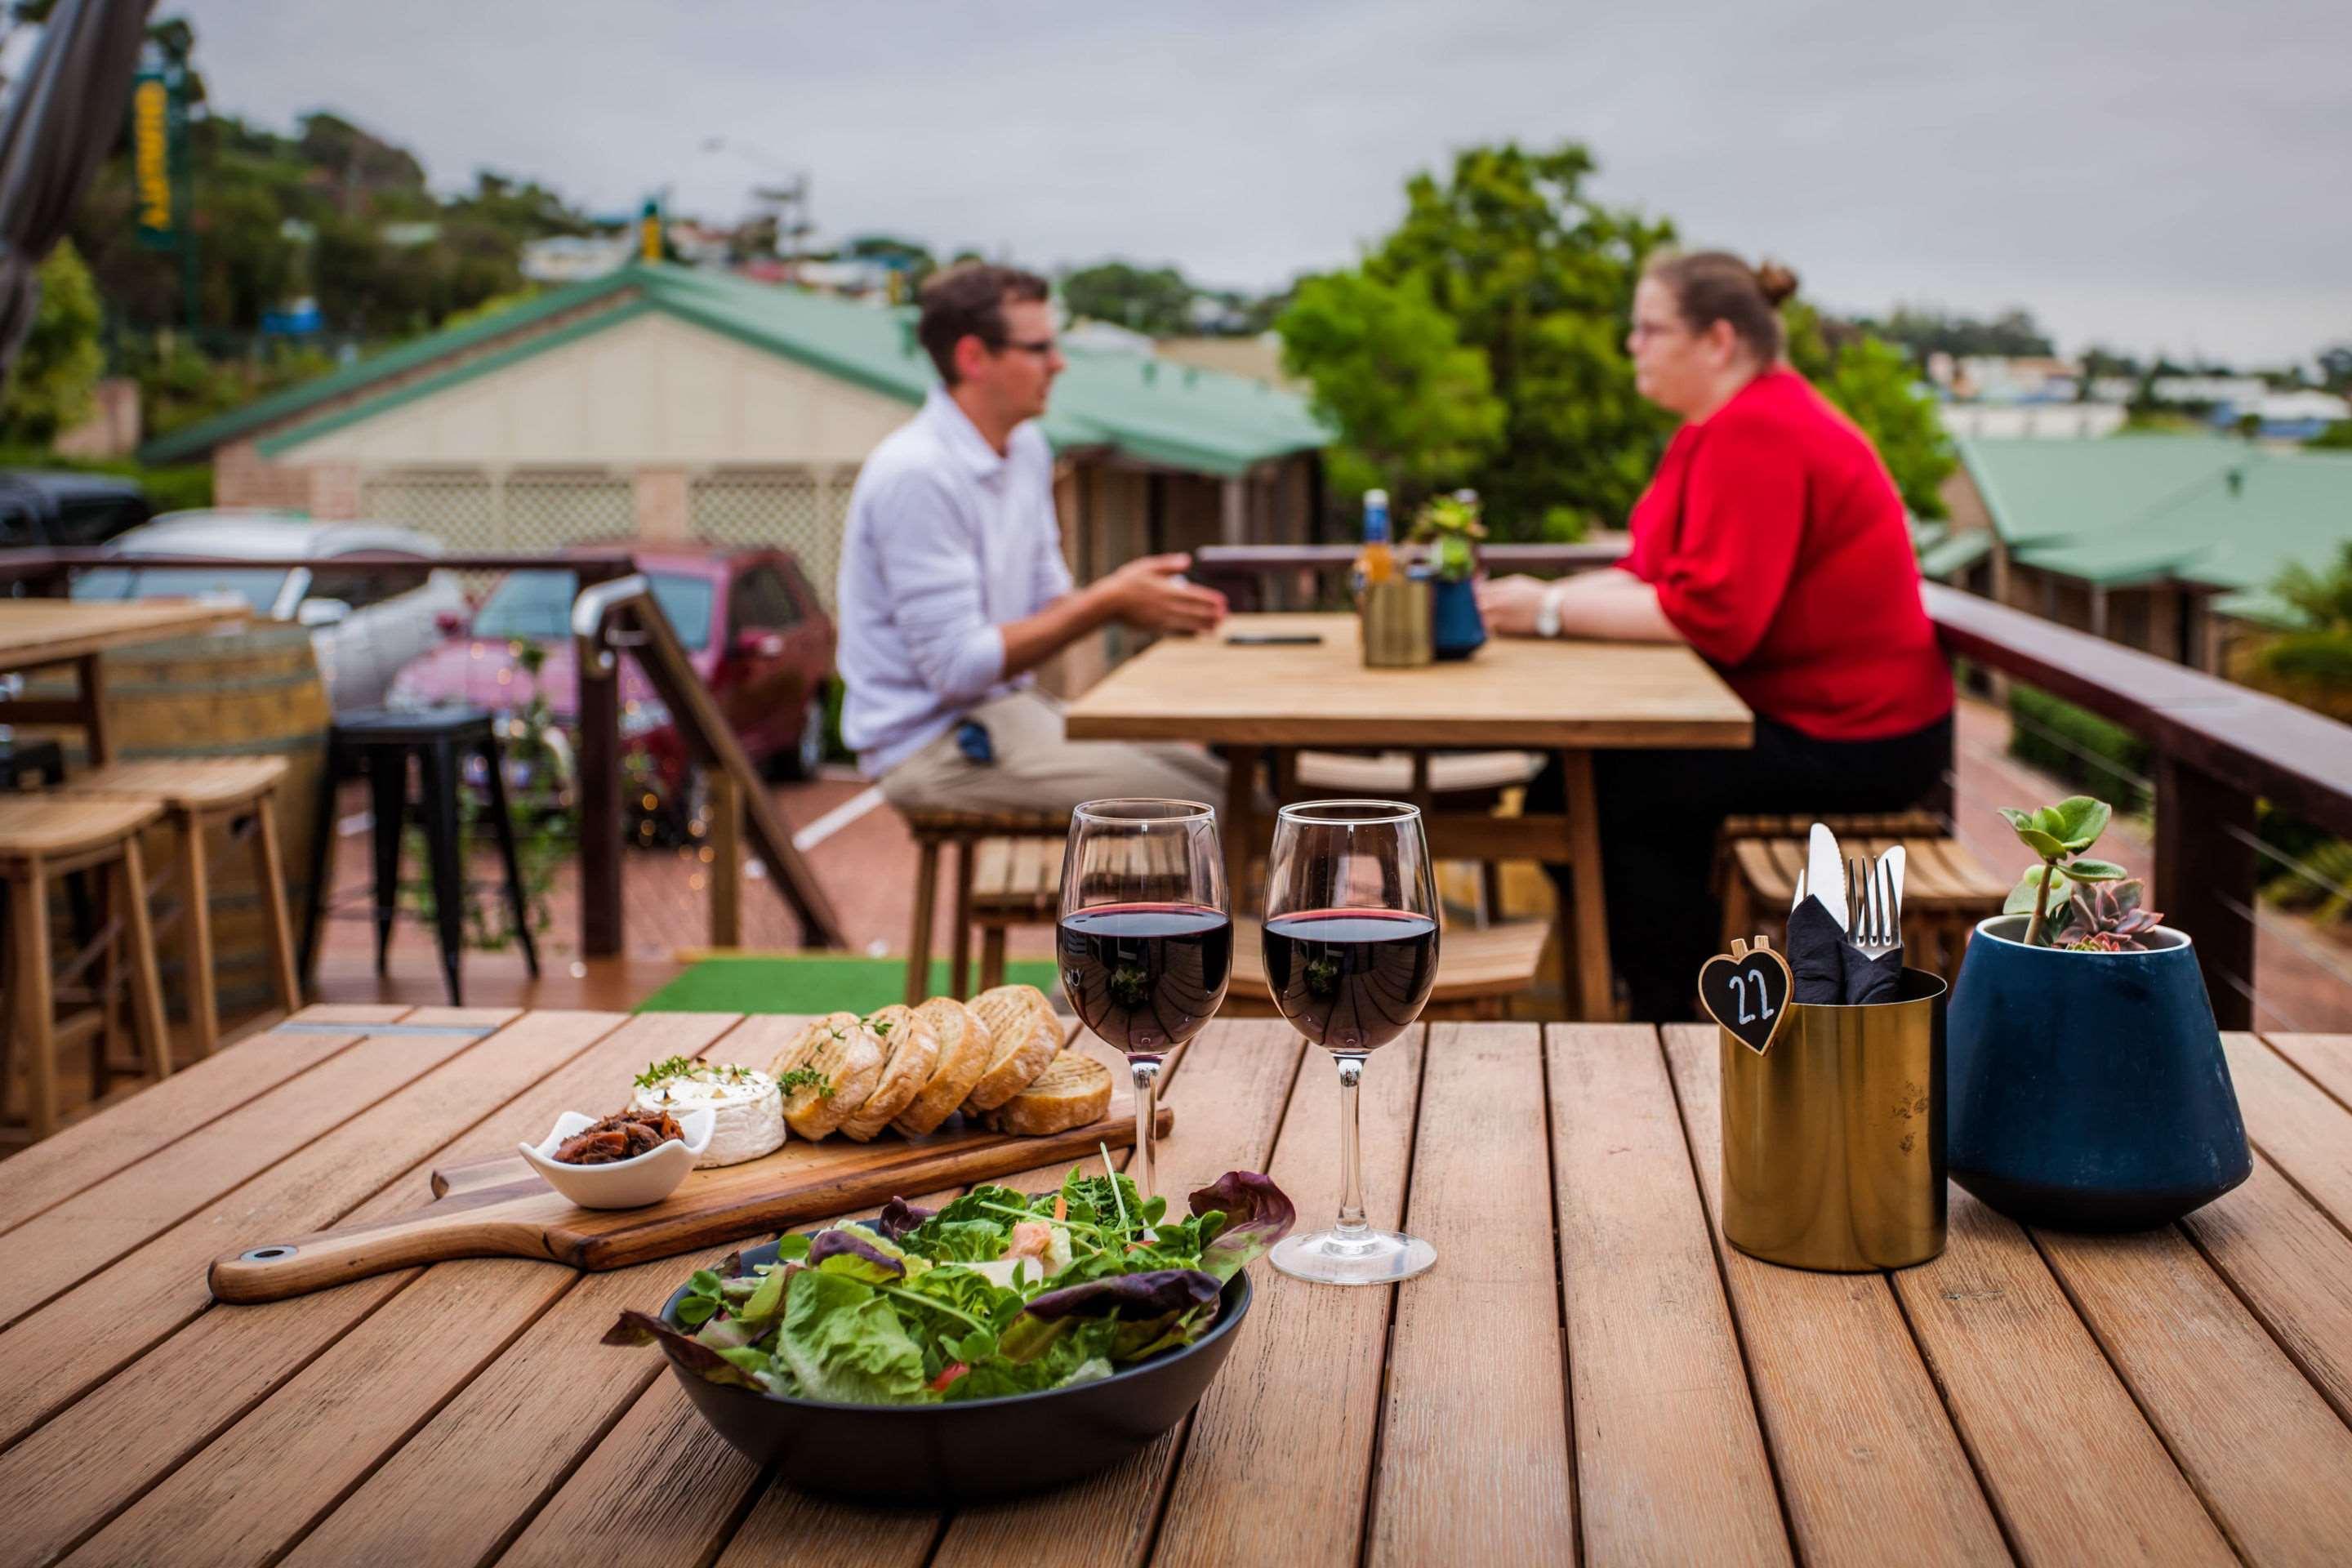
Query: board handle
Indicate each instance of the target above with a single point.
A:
(278, 1269)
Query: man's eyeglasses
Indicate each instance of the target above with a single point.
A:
(1044, 348)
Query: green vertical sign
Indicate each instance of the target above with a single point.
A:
(158, 129)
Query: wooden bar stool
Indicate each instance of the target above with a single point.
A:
(1478, 970)
(43, 838)
(238, 794)
(964, 830)
(1014, 882)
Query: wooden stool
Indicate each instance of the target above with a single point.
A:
(1466, 781)
(1946, 891)
(233, 793)
(1478, 970)
(964, 830)
(43, 838)
(1015, 882)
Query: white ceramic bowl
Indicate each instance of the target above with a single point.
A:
(624, 1184)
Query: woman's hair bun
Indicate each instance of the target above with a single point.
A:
(1776, 281)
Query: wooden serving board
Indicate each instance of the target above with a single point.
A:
(501, 1208)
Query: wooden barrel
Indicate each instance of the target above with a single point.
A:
(251, 692)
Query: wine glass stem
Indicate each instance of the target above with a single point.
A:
(1143, 1168)
(1351, 1223)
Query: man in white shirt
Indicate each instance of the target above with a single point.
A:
(952, 585)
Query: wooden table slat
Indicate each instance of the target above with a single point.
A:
(124, 1309)
(1860, 1439)
(35, 633)
(1280, 1456)
(2305, 1133)
(187, 1389)
(152, 1120)
(2270, 1458)
(1475, 1424)
(2327, 1059)
(147, 1197)
(2293, 1266)
(1670, 1463)
(2072, 1467)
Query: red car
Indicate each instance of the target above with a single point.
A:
(758, 635)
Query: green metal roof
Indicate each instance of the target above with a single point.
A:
(2209, 513)
(1172, 415)
(1954, 554)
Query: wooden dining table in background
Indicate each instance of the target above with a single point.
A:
(37, 632)
(1265, 702)
(1589, 1374)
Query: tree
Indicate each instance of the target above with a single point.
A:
(1415, 408)
(50, 384)
(1869, 380)
(2336, 366)
(1157, 300)
(1924, 330)
(1538, 276)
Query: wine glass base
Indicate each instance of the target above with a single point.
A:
(1366, 1258)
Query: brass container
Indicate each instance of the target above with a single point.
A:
(1834, 1140)
(1396, 623)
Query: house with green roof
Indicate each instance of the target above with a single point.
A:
(2166, 543)
(663, 403)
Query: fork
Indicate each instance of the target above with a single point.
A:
(1873, 924)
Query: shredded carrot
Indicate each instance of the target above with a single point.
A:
(1061, 1206)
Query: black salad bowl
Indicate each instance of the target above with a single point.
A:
(935, 1456)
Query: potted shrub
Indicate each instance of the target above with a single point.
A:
(1449, 526)
(2087, 1086)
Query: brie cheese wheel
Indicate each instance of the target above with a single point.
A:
(746, 1110)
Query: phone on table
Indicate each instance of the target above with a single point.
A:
(1274, 639)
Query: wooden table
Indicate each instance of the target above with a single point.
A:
(1264, 703)
(1587, 1373)
(35, 633)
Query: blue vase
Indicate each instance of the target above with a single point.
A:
(2088, 1091)
(1456, 629)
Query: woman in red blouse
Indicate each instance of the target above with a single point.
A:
(1773, 541)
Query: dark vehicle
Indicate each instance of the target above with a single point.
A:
(59, 511)
(756, 632)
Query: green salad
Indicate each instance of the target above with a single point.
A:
(999, 1292)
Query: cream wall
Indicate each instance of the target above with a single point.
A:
(651, 391)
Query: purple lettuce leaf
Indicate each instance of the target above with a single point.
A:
(636, 1327)
(1257, 1215)
(898, 1216)
(848, 1253)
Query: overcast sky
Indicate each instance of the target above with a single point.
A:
(2152, 174)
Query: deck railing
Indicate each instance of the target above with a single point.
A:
(2217, 748)
(624, 622)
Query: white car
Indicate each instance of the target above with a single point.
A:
(367, 622)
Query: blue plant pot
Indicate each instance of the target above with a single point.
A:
(2088, 1091)
(1456, 629)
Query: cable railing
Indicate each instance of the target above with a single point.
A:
(2218, 752)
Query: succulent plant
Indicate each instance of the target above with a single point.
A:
(1449, 523)
(2107, 916)
(2058, 834)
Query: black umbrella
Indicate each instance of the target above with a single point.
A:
(65, 116)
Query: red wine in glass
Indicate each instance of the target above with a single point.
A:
(1352, 980)
(1146, 977)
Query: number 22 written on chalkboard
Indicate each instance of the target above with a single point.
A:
(1741, 983)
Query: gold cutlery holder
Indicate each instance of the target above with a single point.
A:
(1396, 623)
(1834, 1140)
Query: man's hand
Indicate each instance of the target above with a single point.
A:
(1151, 595)
(1509, 604)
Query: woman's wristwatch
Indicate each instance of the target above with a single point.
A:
(1548, 610)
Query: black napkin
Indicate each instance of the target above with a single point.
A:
(1828, 970)
(1816, 954)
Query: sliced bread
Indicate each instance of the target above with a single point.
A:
(913, 1052)
(1026, 1035)
(1073, 1091)
(847, 1056)
(966, 1050)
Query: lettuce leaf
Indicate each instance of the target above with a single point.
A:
(636, 1327)
(845, 1251)
(841, 1339)
(1256, 1214)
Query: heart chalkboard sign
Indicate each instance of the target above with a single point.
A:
(1746, 991)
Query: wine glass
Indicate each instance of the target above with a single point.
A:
(1146, 943)
(1351, 956)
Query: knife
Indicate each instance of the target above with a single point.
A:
(1825, 873)
(1893, 862)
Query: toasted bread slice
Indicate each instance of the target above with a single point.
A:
(1073, 1091)
(966, 1048)
(1026, 1035)
(914, 1053)
(848, 1054)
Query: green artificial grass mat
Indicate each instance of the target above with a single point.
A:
(819, 982)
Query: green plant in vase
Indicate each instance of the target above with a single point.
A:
(2074, 901)
(1450, 526)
